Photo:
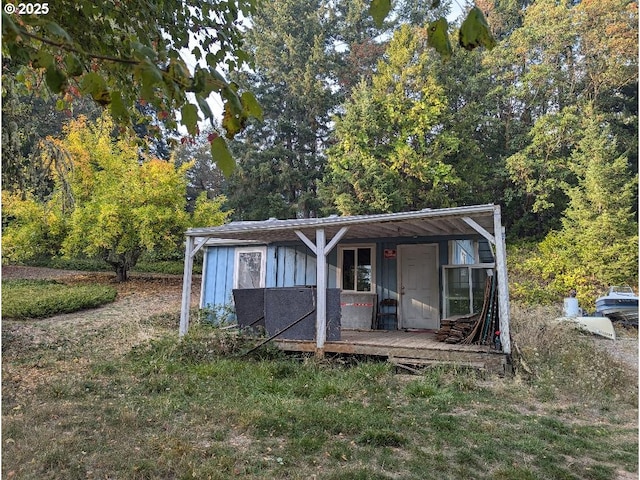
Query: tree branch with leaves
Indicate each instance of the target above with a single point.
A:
(170, 54)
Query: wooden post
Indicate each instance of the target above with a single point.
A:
(503, 286)
(321, 292)
(186, 286)
(321, 249)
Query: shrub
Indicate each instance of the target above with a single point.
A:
(30, 229)
(167, 267)
(204, 343)
(23, 299)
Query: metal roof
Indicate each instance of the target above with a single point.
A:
(427, 222)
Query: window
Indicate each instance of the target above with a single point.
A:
(470, 263)
(356, 268)
(249, 268)
(463, 252)
(457, 299)
(464, 289)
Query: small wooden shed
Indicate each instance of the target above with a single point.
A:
(433, 262)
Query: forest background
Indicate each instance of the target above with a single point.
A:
(358, 118)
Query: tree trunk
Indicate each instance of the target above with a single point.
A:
(121, 273)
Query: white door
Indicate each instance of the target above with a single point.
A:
(419, 290)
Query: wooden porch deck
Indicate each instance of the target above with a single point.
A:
(406, 348)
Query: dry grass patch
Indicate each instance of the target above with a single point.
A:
(115, 394)
(561, 360)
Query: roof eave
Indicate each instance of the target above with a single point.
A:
(306, 223)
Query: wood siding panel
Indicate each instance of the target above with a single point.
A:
(291, 264)
(299, 267)
(295, 265)
(310, 267)
(218, 283)
(272, 267)
(332, 268)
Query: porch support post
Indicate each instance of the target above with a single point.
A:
(321, 291)
(186, 284)
(503, 286)
(321, 248)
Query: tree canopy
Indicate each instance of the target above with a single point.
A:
(171, 54)
(123, 53)
(391, 149)
(363, 113)
(105, 203)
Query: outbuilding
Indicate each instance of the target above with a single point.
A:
(396, 272)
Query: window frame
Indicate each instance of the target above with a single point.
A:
(355, 247)
(263, 264)
(445, 284)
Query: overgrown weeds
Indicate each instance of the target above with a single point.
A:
(561, 360)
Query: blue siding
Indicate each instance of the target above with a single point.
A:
(270, 279)
(295, 265)
(218, 278)
(484, 252)
(386, 272)
(332, 268)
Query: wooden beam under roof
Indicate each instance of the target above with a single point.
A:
(432, 226)
(454, 226)
(419, 229)
(384, 230)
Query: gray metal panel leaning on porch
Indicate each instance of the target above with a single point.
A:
(328, 231)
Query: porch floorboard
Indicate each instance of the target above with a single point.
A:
(405, 348)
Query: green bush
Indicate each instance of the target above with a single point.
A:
(147, 265)
(82, 264)
(62, 263)
(23, 299)
(167, 267)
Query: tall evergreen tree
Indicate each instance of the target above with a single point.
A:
(203, 175)
(281, 158)
(598, 242)
(391, 145)
(557, 62)
(309, 57)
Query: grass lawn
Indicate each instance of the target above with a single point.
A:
(123, 398)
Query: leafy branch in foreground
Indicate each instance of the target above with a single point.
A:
(125, 53)
(474, 31)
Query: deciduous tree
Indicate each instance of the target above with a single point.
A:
(106, 203)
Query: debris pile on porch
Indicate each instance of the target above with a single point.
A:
(457, 329)
(479, 328)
